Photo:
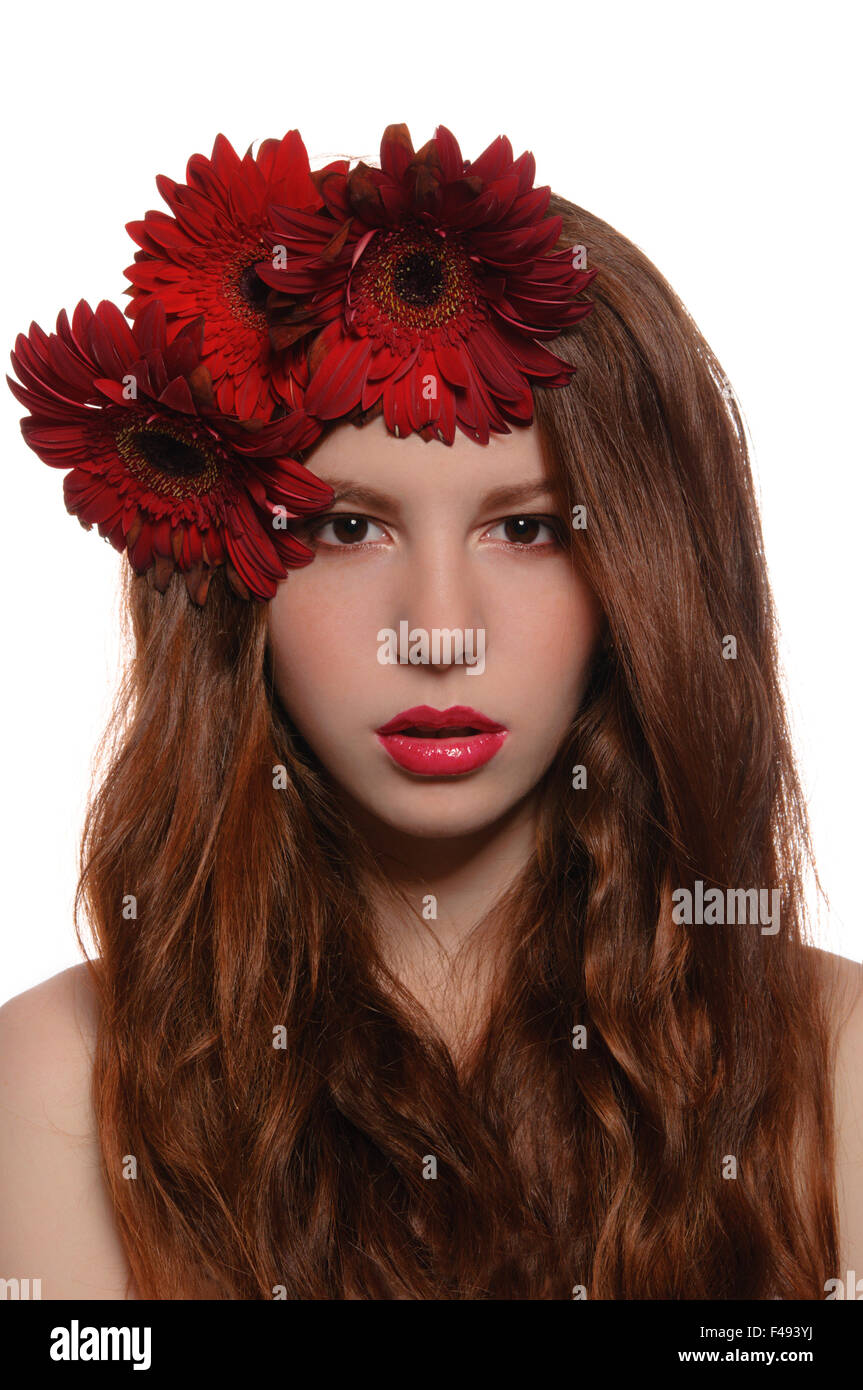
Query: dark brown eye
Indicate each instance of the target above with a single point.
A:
(344, 529)
(522, 528)
(350, 528)
(527, 531)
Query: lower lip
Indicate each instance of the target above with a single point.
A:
(442, 757)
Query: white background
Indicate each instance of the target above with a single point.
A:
(723, 139)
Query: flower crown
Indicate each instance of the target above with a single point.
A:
(274, 300)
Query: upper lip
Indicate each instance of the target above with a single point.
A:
(456, 717)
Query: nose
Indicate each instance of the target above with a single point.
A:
(441, 595)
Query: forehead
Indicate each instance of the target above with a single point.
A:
(412, 467)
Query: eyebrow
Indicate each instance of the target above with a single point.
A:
(348, 490)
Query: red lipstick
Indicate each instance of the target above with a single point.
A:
(441, 743)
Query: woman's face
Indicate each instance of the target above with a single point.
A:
(431, 558)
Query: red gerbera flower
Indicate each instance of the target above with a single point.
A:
(428, 282)
(153, 465)
(202, 261)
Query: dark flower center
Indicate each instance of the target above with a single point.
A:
(170, 455)
(167, 459)
(252, 288)
(243, 289)
(418, 278)
(413, 279)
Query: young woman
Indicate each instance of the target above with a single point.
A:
(448, 899)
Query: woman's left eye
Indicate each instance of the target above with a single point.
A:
(527, 531)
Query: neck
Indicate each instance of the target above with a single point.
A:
(443, 933)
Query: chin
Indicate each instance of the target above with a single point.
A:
(440, 811)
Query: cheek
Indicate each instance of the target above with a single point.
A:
(314, 635)
(546, 640)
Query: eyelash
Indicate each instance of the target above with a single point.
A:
(552, 524)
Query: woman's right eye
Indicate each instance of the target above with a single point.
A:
(346, 529)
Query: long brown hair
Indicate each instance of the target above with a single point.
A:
(686, 1150)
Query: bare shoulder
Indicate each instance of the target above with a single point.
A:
(65, 1005)
(56, 1219)
(845, 980)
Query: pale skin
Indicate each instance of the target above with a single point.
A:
(439, 551)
